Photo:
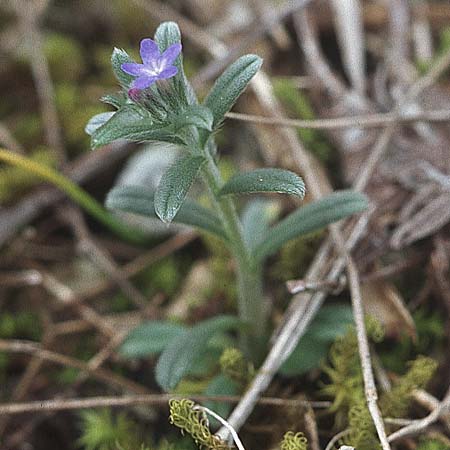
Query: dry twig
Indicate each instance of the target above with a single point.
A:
(133, 400)
(418, 426)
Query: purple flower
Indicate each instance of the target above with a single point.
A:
(156, 65)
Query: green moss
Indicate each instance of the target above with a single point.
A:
(23, 325)
(433, 444)
(345, 384)
(362, 429)
(396, 402)
(222, 270)
(101, 430)
(430, 327)
(65, 57)
(296, 255)
(164, 276)
(234, 366)
(75, 110)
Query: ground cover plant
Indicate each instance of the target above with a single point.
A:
(182, 266)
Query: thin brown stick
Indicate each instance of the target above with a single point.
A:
(364, 352)
(104, 375)
(133, 400)
(420, 425)
(101, 258)
(143, 261)
(312, 429)
(68, 297)
(33, 367)
(361, 121)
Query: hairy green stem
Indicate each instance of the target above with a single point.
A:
(251, 305)
(77, 194)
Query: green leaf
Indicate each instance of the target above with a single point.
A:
(119, 57)
(180, 355)
(265, 180)
(331, 322)
(97, 121)
(309, 218)
(256, 219)
(166, 35)
(138, 200)
(196, 115)
(220, 385)
(134, 124)
(150, 338)
(117, 100)
(230, 85)
(174, 186)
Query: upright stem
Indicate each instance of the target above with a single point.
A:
(251, 305)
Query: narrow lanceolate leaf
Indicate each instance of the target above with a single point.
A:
(97, 121)
(256, 219)
(265, 180)
(196, 115)
(309, 218)
(138, 200)
(182, 354)
(117, 100)
(134, 124)
(150, 338)
(174, 186)
(331, 322)
(118, 58)
(166, 35)
(230, 85)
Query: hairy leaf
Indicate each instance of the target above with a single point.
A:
(256, 218)
(196, 115)
(134, 124)
(119, 57)
(309, 218)
(117, 100)
(265, 180)
(230, 85)
(166, 35)
(331, 321)
(174, 186)
(97, 121)
(138, 200)
(183, 352)
(150, 338)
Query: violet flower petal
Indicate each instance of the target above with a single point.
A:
(168, 72)
(169, 56)
(149, 51)
(132, 68)
(144, 81)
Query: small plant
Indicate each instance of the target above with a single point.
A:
(100, 430)
(234, 365)
(157, 103)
